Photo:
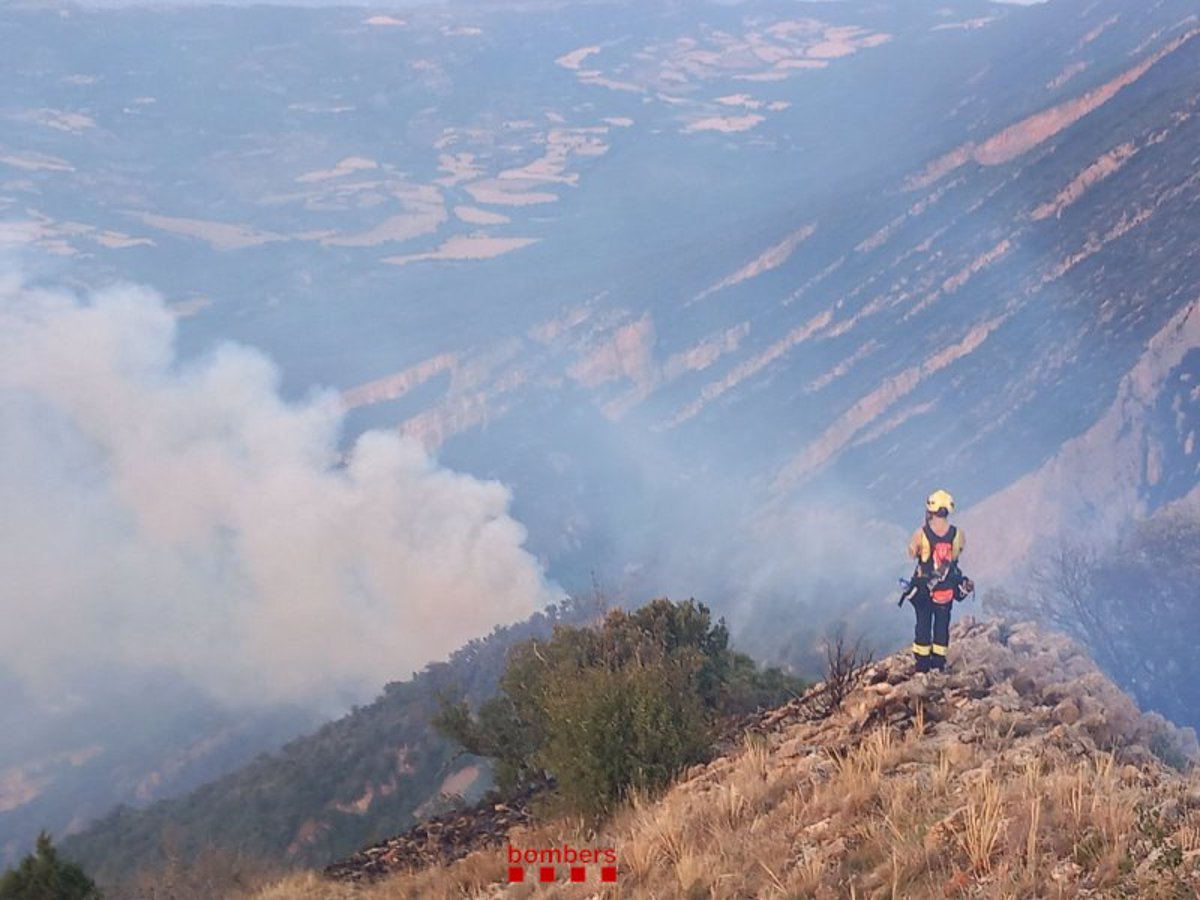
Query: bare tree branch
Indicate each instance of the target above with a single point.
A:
(843, 660)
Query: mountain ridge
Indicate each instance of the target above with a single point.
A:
(982, 781)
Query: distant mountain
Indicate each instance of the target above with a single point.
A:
(673, 272)
(355, 780)
(788, 250)
(128, 740)
(1139, 456)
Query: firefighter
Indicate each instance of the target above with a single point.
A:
(937, 581)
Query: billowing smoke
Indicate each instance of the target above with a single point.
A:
(181, 517)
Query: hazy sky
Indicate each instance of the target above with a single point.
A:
(375, 4)
(370, 4)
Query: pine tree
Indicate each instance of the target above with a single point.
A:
(43, 876)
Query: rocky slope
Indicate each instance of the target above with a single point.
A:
(370, 773)
(440, 839)
(1021, 772)
(113, 756)
(1138, 456)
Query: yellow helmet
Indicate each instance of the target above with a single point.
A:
(939, 500)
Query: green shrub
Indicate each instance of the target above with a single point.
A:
(605, 710)
(612, 731)
(43, 876)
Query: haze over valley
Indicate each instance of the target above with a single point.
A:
(332, 337)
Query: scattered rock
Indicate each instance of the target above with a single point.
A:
(1012, 695)
(1066, 870)
(817, 829)
(1053, 694)
(941, 834)
(1025, 686)
(876, 675)
(959, 752)
(1067, 712)
(1023, 725)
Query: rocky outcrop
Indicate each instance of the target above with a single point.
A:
(1031, 685)
(835, 786)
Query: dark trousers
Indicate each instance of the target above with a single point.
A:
(933, 632)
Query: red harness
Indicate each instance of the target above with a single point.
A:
(941, 557)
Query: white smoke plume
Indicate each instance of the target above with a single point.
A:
(181, 517)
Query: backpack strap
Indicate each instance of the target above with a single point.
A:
(925, 546)
(928, 537)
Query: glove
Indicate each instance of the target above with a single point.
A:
(968, 586)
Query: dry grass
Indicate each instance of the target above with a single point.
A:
(889, 817)
(307, 887)
(982, 825)
(198, 875)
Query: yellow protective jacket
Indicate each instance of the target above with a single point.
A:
(933, 552)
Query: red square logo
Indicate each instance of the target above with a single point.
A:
(516, 873)
(546, 873)
(608, 873)
(578, 873)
